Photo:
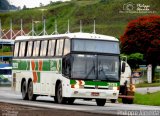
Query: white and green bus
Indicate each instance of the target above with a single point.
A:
(67, 67)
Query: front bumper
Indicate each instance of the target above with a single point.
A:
(93, 93)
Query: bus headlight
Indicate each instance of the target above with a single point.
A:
(115, 88)
(76, 86)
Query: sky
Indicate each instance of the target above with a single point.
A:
(31, 3)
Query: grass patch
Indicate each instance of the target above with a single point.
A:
(119, 100)
(147, 99)
(147, 85)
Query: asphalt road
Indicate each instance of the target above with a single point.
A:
(9, 96)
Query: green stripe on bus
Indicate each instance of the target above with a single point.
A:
(60, 66)
(96, 83)
(36, 62)
(46, 65)
(39, 78)
(21, 65)
(72, 82)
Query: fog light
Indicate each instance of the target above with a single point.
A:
(81, 86)
(75, 92)
(76, 86)
(115, 88)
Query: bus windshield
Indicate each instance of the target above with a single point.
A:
(95, 67)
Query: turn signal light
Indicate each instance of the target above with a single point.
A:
(115, 88)
(77, 86)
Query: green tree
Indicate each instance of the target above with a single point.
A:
(134, 60)
(24, 7)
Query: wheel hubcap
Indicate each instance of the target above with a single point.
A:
(30, 92)
(23, 90)
(60, 94)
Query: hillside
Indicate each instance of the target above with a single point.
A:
(107, 13)
(5, 5)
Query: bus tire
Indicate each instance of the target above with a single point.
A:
(24, 91)
(71, 100)
(31, 96)
(113, 100)
(100, 102)
(59, 98)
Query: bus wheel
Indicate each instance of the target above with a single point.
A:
(100, 102)
(71, 100)
(31, 96)
(113, 100)
(24, 91)
(59, 98)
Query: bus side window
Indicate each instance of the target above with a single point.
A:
(51, 48)
(43, 50)
(25, 52)
(29, 48)
(59, 47)
(36, 48)
(67, 46)
(16, 49)
(22, 49)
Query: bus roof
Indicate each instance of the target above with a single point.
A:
(79, 35)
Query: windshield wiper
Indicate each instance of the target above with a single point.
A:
(92, 69)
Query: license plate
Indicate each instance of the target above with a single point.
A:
(94, 94)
